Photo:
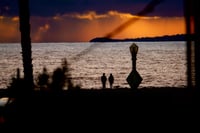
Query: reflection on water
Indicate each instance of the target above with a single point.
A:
(160, 64)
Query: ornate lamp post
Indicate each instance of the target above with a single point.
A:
(134, 79)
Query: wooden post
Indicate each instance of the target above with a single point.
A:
(196, 4)
(192, 18)
(24, 17)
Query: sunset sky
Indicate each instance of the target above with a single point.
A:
(82, 20)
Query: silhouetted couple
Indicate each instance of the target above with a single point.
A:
(104, 79)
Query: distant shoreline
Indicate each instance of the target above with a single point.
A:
(178, 37)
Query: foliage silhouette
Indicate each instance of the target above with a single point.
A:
(43, 79)
(59, 80)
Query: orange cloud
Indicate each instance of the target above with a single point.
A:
(83, 27)
(89, 15)
(40, 32)
(15, 19)
(9, 29)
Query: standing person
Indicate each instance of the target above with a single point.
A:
(111, 80)
(103, 80)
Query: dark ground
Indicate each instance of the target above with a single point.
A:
(158, 109)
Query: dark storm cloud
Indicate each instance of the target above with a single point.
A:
(54, 7)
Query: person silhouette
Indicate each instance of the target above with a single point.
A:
(111, 80)
(103, 80)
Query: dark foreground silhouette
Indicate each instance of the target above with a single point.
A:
(49, 107)
(102, 109)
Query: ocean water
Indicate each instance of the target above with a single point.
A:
(161, 64)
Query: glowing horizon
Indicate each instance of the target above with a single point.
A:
(78, 27)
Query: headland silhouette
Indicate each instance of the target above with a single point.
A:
(178, 37)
